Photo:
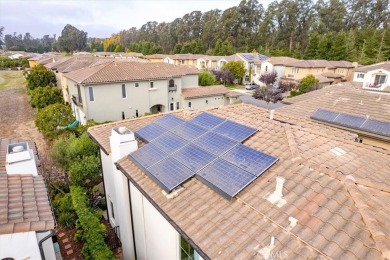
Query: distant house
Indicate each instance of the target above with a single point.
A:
(27, 222)
(275, 64)
(375, 77)
(252, 63)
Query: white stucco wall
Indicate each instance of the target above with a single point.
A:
(200, 103)
(369, 78)
(155, 237)
(189, 81)
(356, 79)
(19, 246)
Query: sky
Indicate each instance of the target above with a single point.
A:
(99, 18)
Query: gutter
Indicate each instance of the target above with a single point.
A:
(52, 234)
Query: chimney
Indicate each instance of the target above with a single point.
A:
(276, 197)
(20, 159)
(122, 142)
(271, 114)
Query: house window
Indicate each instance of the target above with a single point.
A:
(177, 105)
(151, 84)
(182, 61)
(112, 209)
(171, 106)
(171, 83)
(80, 100)
(380, 79)
(294, 70)
(123, 115)
(124, 94)
(189, 104)
(360, 76)
(91, 95)
(136, 84)
(266, 68)
(187, 252)
(136, 112)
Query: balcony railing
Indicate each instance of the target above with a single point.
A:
(77, 101)
(373, 85)
(172, 87)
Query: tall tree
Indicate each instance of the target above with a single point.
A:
(72, 39)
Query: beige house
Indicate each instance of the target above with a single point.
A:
(375, 77)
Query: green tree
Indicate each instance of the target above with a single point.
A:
(312, 47)
(39, 76)
(53, 116)
(72, 39)
(84, 172)
(236, 68)
(43, 96)
(307, 84)
(338, 49)
(206, 78)
(118, 48)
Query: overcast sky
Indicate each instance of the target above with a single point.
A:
(98, 18)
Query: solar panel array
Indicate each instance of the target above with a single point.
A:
(352, 121)
(207, 147)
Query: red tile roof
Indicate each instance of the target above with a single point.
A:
(323, 191)
(196, 92)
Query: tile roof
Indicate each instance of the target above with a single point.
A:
(208, 91)
(311, 64)
(323, 79)
(129, 71)
(323, 192)
(341, 64)
(281, 60)
(331, 75)
(376, 66)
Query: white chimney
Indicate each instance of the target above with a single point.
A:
(20, 159)
(271, 114)
(122, 142)
(279, 186)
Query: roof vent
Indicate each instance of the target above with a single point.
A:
(266, 251)
(338, 151)
(20, 159)
(271, 114)
(276, 197)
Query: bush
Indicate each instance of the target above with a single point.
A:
(39, 76)
(206, 78)
(64, 210)
(85, 171)
(41, 97)
(90, 231)
(53, 116)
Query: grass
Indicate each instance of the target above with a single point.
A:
(11, 79)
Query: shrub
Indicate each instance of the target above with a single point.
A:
(206, 78)
(85, 171)
(39, 76)
(41, 97)
(63, 208)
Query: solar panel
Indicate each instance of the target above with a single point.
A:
(169, 173)
(150, 132)
(207, 120)
(248, 159)
(349, 120)
(193, 157)
(324, 115)
(248, 56)
(147, 156)
(169, 142)
(169, 121)
(225, 178)
(235, 131)
(188, 131)
(215, 143)
(376, 126)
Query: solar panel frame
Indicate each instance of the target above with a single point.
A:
(169, 142)
(324, 115)
(169, 173)
(188, 131)
(215, 143)
(207, 120)
(235, 131)
(377, 127)
(147, 156)
(150, 132)
(194, 157)
(225, 178)
(169, 121)
(349, 120)
(249, 159)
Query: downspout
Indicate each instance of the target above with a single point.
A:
(52, 234)
(104, 185)
(132, 216)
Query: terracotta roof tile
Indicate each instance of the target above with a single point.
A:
(332, 222)
(209, 91)
(382, 65)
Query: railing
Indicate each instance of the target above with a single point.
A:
(373, 85)
(76, 101)
(172, 88)
(112, 238)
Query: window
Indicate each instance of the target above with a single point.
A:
(182, 61)
(136, 112)
(91, 96)
(177, 105)
(171, 83)
(380, 79)
(123, 115)
(187, 252)
(294, 70)
(266, 68)
(189, 104)
(207, 101)
(171, 106)
(124, 94)
(80, 100)
(112, 209)
(360, 76)
(151, 84)
(136, 84)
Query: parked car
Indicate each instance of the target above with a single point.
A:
(250, 86)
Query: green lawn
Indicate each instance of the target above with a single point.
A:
(11, 79)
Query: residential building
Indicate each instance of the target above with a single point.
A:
(252, 63)
(347, 99)
(334, 71)
(275, 64)
(27, 222)
(119, 90)
(321, 199)
(375, 77)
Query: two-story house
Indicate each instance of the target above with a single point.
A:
(375, 77)
(119, 90)
(275, 64)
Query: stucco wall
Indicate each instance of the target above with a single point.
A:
(200, 103)
(189, 81)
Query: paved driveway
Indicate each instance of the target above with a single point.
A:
(247, 98)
